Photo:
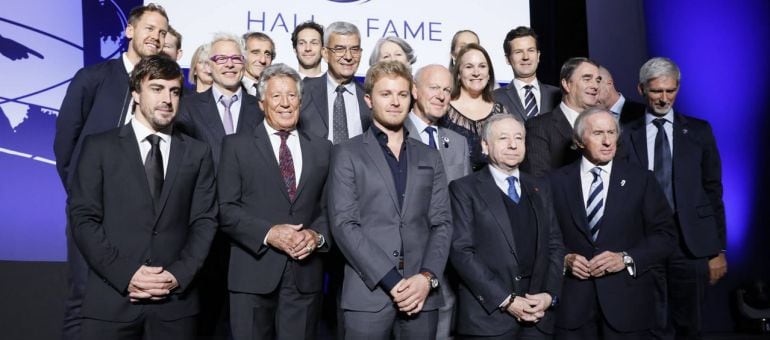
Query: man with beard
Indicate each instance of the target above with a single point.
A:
(307, 42)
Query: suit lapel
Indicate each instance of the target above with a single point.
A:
(135, 162)
(363, 109)
(209, 112)
(321, 101)
(638, 136)
(373, 150)
(616, 190)
(561, 123)
(684, 149)
(574, 194)
(247, 118)
(534, 199)
(176, 156)
(490, 193)
(513, 95)
(308, 156)
(266, 154)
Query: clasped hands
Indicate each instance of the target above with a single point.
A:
(410, 294)
(151, 283)
(600, 265)
(530, 307)
(293, 240)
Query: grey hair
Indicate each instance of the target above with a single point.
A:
(486, 129)
(278, 70)
(658, 67)
(222, 36)
(580, 123)
(408, 50)
(342, 28)
(201, 54)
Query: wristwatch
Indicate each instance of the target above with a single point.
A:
(554, 301)
(431, 279)
(319, 241)
(628, 261)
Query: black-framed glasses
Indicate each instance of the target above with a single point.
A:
(341, 51)
(221, 59)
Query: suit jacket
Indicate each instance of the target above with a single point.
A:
(637, 220)
(253, 198)
(97, 100)
(118, 229)
(453, 149)
(631, 111)
(697, 180)
(370, 227)
(199, 117)
(314, 113)
(549, 143)
(550, 97)
(485, 257)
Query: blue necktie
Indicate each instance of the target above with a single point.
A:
(431, 139)
(530, 106)
(662, 166)
(595, 203)
(512, 193)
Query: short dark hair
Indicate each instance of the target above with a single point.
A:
(176, 35)
(259, 36)
(518, 32)
(155, 67)
(487, 93)
(305, 25)
(137, 12)
(569, 67)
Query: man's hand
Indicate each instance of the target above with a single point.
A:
(522, 309)
(410, 296)
(543, 301)
(717, 268)
(150, 283)
(578, 265)
(305, 243)
(281, 236)
(605, 263)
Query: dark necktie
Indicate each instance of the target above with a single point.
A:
(595, 203)
(530, 105)
(153, 167)
(663, 164)
(340, 128)
(227, 119)
(512, 193)
(431, 140)
(286, 163)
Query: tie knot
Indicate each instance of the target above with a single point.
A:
(659, 122)
(340, 89)
(153, 139)
(512, 180)
(430, 130)
(528, 87)
(597, 171)
(228, 101)
(282, 134)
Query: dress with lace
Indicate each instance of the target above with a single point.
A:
(471, 129)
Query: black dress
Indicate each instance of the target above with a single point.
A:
(471, 129)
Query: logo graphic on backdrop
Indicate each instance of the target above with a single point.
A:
(350, 1)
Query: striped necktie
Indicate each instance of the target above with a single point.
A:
(595, 203)
(530, 105)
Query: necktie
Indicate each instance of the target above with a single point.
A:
(663, 164)
(595, 203)
(153, 167)
(227, 120)
(530, 105)
(256, 89)
(431, 139)
(340, 128)
(512, 193)
(286, 163)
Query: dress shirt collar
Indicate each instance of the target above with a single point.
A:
(586, 166)
(419, 124)
(520, 85)
(218, 94)
(271, 131)
(501, 178)
(569, 113)
(249, 84)
(618, 106)
(127, 63)
(649, 117)
(142, 132)
(331, 85)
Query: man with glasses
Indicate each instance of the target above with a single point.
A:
(260, 52)
(333, 105)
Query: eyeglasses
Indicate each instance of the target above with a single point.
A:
(341, 51)
(222, 59)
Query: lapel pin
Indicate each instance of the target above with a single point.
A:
(622, 182)
(446, 142)
(684, 131)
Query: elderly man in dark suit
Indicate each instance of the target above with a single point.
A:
(395, 237)
(273, 206)
(616, 227)
(525, 96)
(682, 152)
(549, 136)
(506, 247)
(144, 230)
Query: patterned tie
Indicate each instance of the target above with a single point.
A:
(530, 105)
(153, 167)
(286, 163)
(431, 140)
(340, 128)
(662, 166)
(512, 193)
(595, 203)
(227, 120)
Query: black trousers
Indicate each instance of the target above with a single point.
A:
(149, 326)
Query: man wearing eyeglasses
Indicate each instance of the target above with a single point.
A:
(333, 105)
(260, 52)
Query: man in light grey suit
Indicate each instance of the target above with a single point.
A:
(395, 238)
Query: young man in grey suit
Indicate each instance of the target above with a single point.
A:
(395, 237)
(525, 96)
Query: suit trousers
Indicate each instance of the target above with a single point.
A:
(525, 332)
(389, 323)
(286, 313)
(146, 327)
(598, 328)
(77, 275)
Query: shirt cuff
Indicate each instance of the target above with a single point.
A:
(390, 280)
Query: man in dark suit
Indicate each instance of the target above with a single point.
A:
(144, 230)
(271, 193)
(333, 105)
(612, 100)
(395, 237)
(99, 99)
(682, 152)
(616, 227)
(525, 96)
(260, 52)
(549, 136)
(506, 246)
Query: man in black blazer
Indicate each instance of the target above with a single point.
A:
(549, 136)
(612, 100)
(616, 227)
(692, 180)
(507, 246)
(273, 206)
(337, 91)
(144, 230)
(98, 99)
(525, 96)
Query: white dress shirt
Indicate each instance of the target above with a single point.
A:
(569, 113)
(523, 92)
(501, 179)
(618, 106)
(248, 84)
(420, 125)
(141, 133)
(235, 107)
(587, 177)
(652, 132)
(294, 148)
(351, 107)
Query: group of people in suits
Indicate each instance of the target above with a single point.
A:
(594, 218)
